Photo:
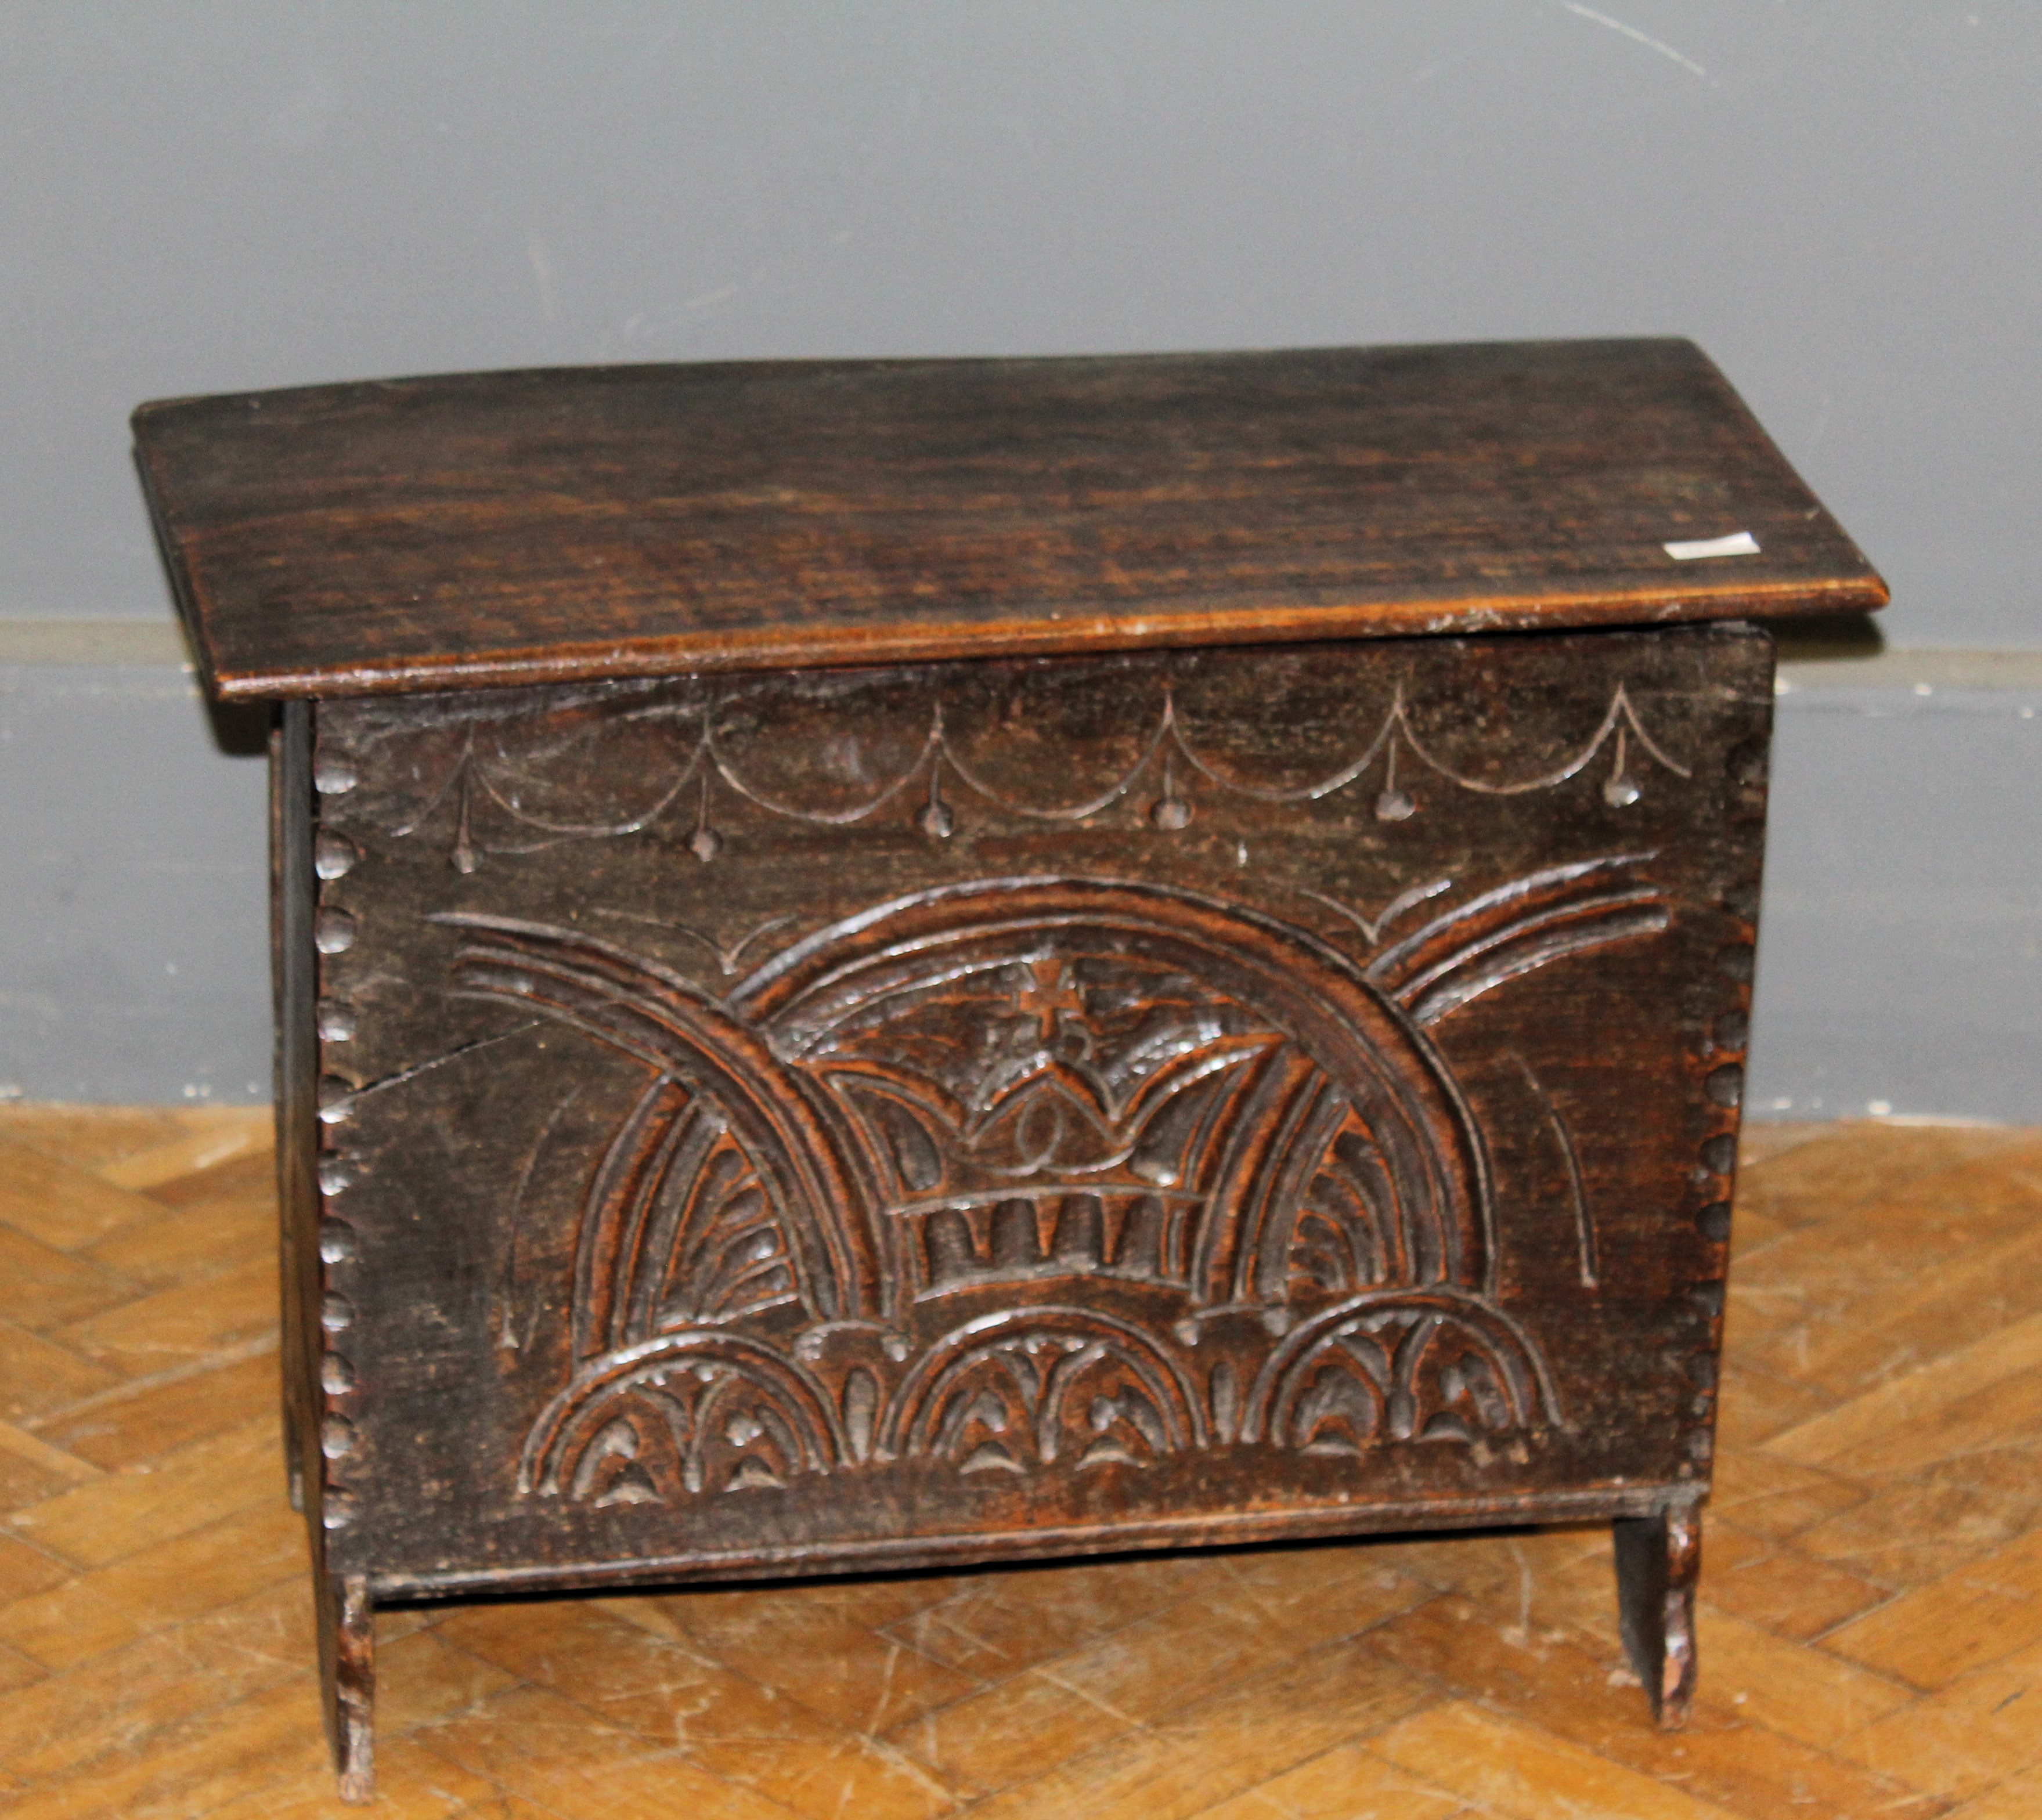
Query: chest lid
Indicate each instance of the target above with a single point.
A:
(507, 528)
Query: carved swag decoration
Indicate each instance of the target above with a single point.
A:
(1039, 1174)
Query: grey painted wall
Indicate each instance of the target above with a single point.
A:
(134, 931)
(1835, 196)
(1900, 964)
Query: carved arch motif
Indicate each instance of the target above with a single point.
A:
(714, 1398)
(1438, 1365)
(1025, 1386)
(1238, 1071)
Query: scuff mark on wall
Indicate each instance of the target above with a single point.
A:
(1636, 36)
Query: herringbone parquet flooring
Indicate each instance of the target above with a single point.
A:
(1871, 1639)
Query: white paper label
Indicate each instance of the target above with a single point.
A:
(1737, 543)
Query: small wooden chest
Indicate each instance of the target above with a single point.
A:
(883, 964)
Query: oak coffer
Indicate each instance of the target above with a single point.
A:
(889, 963)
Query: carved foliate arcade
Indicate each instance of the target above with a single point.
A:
(1033, 1175)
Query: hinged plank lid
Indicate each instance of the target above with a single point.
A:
(508, 528)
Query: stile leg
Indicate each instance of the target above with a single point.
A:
(1658, 1561)
(347, 1681)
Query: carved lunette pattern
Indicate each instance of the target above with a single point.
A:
(477, 782)
(801, 1251)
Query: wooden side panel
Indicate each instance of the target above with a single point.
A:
(293, 973)
(901, 1114)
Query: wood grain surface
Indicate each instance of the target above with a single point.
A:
(1870, 1622)
(505, 528)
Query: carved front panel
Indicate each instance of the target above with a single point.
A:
(874, 1109)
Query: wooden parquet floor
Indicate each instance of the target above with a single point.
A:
(1871, 1639)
